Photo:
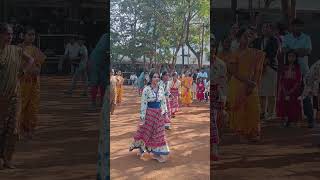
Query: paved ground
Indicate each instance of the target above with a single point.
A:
(188, 141)
(283, 154)
(66, 142)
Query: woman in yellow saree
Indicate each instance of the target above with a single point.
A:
(119, 87)
(30, 86)
(186, 94)
(243, 97)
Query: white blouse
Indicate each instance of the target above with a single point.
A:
(149, 95)
(175, 85)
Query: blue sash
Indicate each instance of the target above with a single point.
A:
(155, 105)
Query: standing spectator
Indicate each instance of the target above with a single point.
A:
(203, 74)
(131, 80)
(81, 71)
(72, 52)
(234, 39)
(289, 90)
(194, 83)
(300, 42)
(268, 89)
(312, 80)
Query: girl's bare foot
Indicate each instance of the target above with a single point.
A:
(160, 158)
(145, 156)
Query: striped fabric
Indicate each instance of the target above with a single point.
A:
(150, 136)
(174, 101)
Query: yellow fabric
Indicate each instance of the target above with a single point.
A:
(113, 90)
(186, 94)
(245, 110)
(30, 92)
(119, 88)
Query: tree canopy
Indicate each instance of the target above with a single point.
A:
(158, 29)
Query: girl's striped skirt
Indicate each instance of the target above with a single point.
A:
(150, 136)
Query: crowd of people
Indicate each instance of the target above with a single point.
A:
(162, 94)
(259, 75)
(199, 84)
(20, 68)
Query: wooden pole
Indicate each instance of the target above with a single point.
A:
(285, 10)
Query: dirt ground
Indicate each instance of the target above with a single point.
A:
(282, 154)
(66, 141)
(188, 141)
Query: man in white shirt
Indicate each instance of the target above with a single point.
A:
(81, 71)
(72, 52)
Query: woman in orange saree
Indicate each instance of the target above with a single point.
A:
(119, 87)
(243, 97)
(186, 94)
(30, 86)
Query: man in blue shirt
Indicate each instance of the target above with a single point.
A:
(300, 42)
(203, 74)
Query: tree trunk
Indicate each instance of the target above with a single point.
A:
(285, 10)
(197, 54)
(234, 7)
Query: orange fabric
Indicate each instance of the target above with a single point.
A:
(186, 94)
(245, 109)
(30, 92)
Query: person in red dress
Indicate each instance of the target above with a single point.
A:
(289, 108)
(200, 89)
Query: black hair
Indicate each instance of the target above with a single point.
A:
(174, 74)
(287, 55)
(4, 27)
(163, 74)
(151, 77)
